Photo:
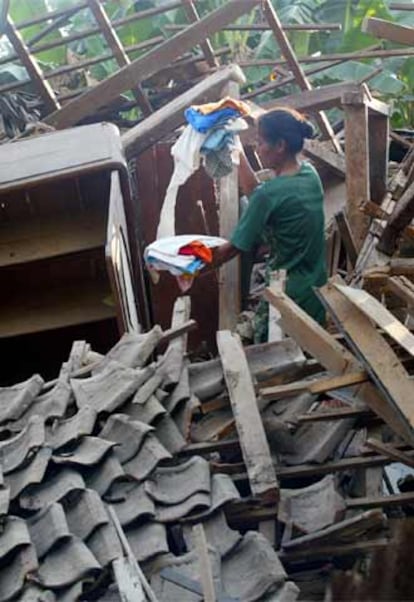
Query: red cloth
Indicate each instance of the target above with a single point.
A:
(199, 250)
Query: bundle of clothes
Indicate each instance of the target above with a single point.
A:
(211, 138)
(183, 256)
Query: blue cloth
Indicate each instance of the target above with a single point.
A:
(217, 140)
(203, 123)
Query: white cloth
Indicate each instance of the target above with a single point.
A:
(186, 153)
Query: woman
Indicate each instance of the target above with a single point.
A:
(285, 212)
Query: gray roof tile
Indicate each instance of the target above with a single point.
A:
(15, 400)
(65, 481)
(4, 500)
(223, 491)
(72, 429)
(147, 459)
(68, 562)
(14, 451)
(105, 474)
(134, 350)
(146, 412)
(169, 435)
(35, 593)
(14, 535)
(252, 568)
(136, 505)
(173, 484)
(148, 388)
(104, 544)
(147, 540)
(218, 534)
(107, 390)
(48, 527)
(85, 513)
(89, 451)
(30, 474)
(180, 393)
(13, 575)
(196, 503)
(129, 434)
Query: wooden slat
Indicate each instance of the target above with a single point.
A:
(338, 414)
(288, 52)
(120, 55)
(387, 449)
(253, 442)
(170, 116)
(320, 385)
(228, 209)
(150, 63)
(379, 314)
(327, 97)
(379, 360)
(266, 27)
(403, 288)
(388, 31)
(43, 87)
(386, 501)
(401, 6)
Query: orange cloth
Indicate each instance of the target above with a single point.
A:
(228, 102)
(199, 250)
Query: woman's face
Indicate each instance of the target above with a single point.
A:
(271, 155)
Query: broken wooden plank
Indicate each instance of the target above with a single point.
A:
(253, 442)
(294, 65)
(317, 151)
(379, 360)
(321, 385)
(206, 572)
(170, 116)
(148, 64)
(400, 218)
(228, 208)
(347, 237)
(389, 450)
(388, 31)
(338, 414)
(345, 549)
(379, 314)
(402, 288)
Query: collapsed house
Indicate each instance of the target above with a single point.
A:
(157, 458)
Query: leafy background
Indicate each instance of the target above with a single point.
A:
(393, 84)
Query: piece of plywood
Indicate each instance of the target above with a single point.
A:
(379, 360)
(148, 64)
(253, 442)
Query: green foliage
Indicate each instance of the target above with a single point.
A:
(393, 83)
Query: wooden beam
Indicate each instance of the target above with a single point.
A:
(314, 100)
(43, 87)
(388, 31)
(119, 53)
(386, 501)
(340, 549)
(317, 386)
(402, 288)
(401, 6)
(288, 52)
(400, 218)
(228, 209)
(148, 64)
(338, 414)
(193, 16)
(387, 449)
(379, 360)
(266, 27)
(170, 116)
(357, 168)
(378, 139)
(346, 237)
(253, 442)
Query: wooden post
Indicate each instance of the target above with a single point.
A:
(228, 207)
(357, 165)
(378, 133)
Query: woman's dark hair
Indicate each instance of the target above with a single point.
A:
(288, 125)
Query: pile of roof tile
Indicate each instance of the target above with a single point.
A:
(112, 433)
